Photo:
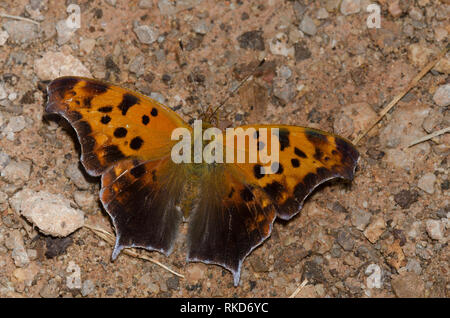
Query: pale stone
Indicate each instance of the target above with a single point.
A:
(56, 64)
(51, 213)
(375, 229)
(426, 183)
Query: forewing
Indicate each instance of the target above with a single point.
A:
(112, 123)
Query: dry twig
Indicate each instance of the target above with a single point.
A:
(109, 238)
(430, 136)
(299, 289)
(411, 85)
(16, 17)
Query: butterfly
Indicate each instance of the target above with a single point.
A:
(230, 208)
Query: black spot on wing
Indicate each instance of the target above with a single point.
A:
(128, 101)
(284, 138)
(247, 195)
(295, 162)
(120, 132)
(105, 109)
(154, 112)
(145, 119)
(87, 144)
(257, 172)
(87, 101)
(105, 119)
(60, 86)
(300, 153)
(318, 154)
(112, 154)
(274, 190)
(316, 137)
(231, 193)
(95, 88)
(138, 171)
(136, 143)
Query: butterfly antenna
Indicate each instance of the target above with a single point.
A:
(234, 90)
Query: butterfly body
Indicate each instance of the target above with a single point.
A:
(127, 139)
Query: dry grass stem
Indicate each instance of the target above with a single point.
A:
(109, 238)
(396, 99)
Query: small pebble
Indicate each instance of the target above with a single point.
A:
(50, 290)
(413, 265)
(56, 246)
(55, 64)
(395, 9)
(442, 96)
(158, 97)
(345, 240)
(307, 26)
(435, 229)
(146, 34)
(75, 175)
(173, 283)
(419, 54)
(322, 14)
(3, 93)
(145, 4)
(4, 160)
(3, 38)
(360, 218)
(17, 172)
(87, 288)
(16, 124)
(14, 242)
(195, 272)
(27, 274)
(416, 14)
(137, 65)
(87, 45)
(201, 27)
(408, 285)
(405, 198)
(21, 31)
(279, 45)
(85, 200)
(252, 40)
(350, 6)
(426, 182)
(301, 52)
(375, 229)
(51, 213)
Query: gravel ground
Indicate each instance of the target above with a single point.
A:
(383, 235)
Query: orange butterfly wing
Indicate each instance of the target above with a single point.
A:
(307, 158)
(239, 204)
(126, 138)
(112, 123)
